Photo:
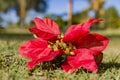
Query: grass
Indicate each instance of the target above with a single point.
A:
(13, 67)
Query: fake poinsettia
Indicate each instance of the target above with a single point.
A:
(82, 48)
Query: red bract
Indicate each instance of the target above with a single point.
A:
(37, 51)
(45, 29)
(79, 45)
(76, 32)
(83, 58)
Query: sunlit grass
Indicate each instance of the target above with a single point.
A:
(13, 67)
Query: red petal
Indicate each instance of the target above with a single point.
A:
(32, 48)
(46, 29)
(76, 32)
(94, 42)
(83, 58)
(46, 55)
(67, 68)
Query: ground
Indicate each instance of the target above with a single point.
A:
(13, 67)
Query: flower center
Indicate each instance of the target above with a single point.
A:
(59, 44)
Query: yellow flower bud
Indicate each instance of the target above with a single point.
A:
(64, 45)
(50, 42)
(49, 46)
(55, 47)
(35, 36)
(67, 51)
(72, 53)
(57, 42)
(59, 36)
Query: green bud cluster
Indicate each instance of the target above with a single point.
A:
(59, 44)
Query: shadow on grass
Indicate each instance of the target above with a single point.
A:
(110, 65)
(14, 36)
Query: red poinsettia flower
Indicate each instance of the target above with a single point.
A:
(81, 47)
(88, 46)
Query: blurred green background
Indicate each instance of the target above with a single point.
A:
(20, 13)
